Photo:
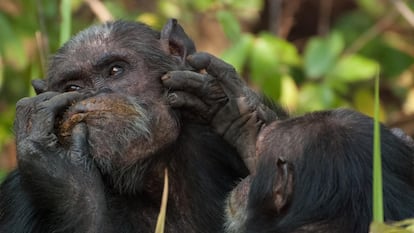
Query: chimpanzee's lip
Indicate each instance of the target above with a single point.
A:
(94, 107)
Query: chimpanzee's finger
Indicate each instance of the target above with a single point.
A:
(184, 80)
(25, 108)
(79, 147)
(39, 85)
(225, 73)
(181, 99)
(200, 85)
(44, 118)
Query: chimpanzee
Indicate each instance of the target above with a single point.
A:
(313, 172)
(93, 145)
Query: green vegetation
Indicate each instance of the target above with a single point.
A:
(323, 69)
(377, 203)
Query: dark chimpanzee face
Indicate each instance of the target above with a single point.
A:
(118, 66)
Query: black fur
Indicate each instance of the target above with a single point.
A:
(332, 188)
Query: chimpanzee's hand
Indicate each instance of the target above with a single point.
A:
(222, 99)
(60, 180)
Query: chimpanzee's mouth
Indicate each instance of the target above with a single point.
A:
(94, 108)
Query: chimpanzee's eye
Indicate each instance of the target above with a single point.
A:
(116, 70)
(72, 88)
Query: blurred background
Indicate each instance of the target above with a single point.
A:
(306, 54)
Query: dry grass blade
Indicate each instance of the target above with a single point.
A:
(163, 210)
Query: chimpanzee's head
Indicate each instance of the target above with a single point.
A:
(118, 66)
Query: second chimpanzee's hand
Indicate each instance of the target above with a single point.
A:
(222, 99)
(61, 179)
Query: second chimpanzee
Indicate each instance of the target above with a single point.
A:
(93, 145)
(313, 172)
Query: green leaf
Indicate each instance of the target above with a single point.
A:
(285, 51)
(363, 100)
(353, 68)
(289, 94)
(313, 97)
(238, 53)
(264, 66)
(321, 54)
(393, 61)
(230, 25)
(170, 9)
(271, 59)
(353, 24)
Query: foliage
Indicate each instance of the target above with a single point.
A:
(333, 69)
(318, 79)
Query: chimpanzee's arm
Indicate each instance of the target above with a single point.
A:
(63, 184)
(221, 98)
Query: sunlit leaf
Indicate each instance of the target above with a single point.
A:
(314, 97)
(286, 52)
(353, 68)
(237, 54)
(149, 19)
(169, 9)
(264, 65)
(321, 54)
(408, 106)
(289, 93)
(270, 60)
(202, 5)
(363, 101)
(230, 25)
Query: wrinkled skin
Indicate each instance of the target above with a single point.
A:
(93, 145)
(35, 134)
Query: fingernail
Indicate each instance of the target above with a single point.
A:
(165, 77)
(172, 97)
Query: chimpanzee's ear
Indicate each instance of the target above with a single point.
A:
(39, 86)
(283, 186)
(175, 41)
